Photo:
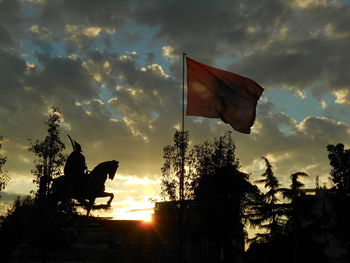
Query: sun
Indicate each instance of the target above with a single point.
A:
(147, 218)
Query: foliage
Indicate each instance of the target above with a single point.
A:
(294, 192)
(205, 159)
(46, 230)
(339, 195)
(339, 159)
(271, 183)
(269, 214)
(4, 178)
(49, 153)
(15, 226)
(175, 183)
(225, 197)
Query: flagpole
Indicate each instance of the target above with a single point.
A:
(183, 92)
(182, 172)
(181, 194)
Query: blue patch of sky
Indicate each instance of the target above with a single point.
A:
(286, 129)
(225, 62)
(294, 106)
(30, 10)
(338, 112)
(142, 40)
(30, 48)
(300, 108)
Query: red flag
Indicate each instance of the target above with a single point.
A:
(217, 93)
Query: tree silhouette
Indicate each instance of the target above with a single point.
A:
(294, 192)
(16, 226)
(294, 226)
(224, 195)
(4, 178)
(339, 195)
(339, 159)
(269, 215)
(50, 157)
(175, 184)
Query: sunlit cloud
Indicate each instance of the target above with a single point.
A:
(168, 51)
(310, 3)
(342, 96)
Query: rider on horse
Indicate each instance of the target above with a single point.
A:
(75, 167)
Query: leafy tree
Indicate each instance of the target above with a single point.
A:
(339, 158)
(15, 227)
(205, 159)
(175, 183)
(49, 152)
(339, 195)
(47, 231)
(4, 178)
(225, 196)
(271, 211)
(212, 180)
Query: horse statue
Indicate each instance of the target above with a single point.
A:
(91, 186)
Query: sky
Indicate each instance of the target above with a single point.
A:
(114, 68)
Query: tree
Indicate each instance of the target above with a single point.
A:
(339, 195)
(50, 157)
(294, 227)
(294, 192)
(213, 183)
(175, 183)
(339, 159)
(205, 159)
(4, 178)
(48, 232)
(224, 195)
(16, 226)
(270, 212)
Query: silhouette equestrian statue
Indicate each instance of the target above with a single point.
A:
(77, 183)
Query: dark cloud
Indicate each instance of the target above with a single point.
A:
(10, 13)
(12, 69)
(6, 39)
(275, 42)
(209, 29)
(61, 77)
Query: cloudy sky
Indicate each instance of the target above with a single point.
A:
(114, 68)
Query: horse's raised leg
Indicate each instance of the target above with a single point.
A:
(111, 196)
(90, 205)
